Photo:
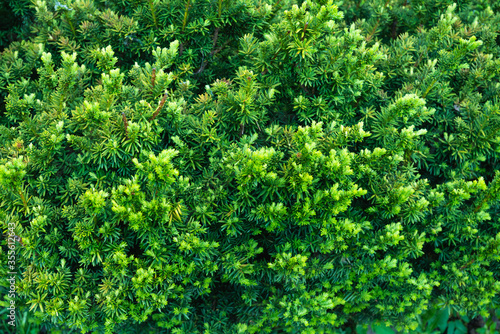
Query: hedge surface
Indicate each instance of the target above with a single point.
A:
(247, 166)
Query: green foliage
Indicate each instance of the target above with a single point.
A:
(253, 167)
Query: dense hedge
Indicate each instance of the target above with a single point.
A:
(250, 166)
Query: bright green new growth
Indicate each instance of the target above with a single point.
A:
(251, 167)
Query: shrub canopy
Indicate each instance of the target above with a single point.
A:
(250, 166)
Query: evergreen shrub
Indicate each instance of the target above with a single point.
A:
(250, 166)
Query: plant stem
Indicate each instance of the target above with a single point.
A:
(25, 203)
(485, 199)
(185, 15)
(220, 7)
(70, 23)
(370, 36)
(162, 102)
(153, 13)
(429, 88)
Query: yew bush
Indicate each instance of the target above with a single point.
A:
(250, 166)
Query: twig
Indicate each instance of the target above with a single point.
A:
(485, 199)
(467, 264)
(159, 107)
(153, 78)
(216, 35)
(394, 32)
(153, 13)
(304, 31)
(185, 16)
(214, 50)
(70, 23)
(370, 36)
(25, 203)
(277, 3)
(220, 8)
(419, 59)
(429, 88)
